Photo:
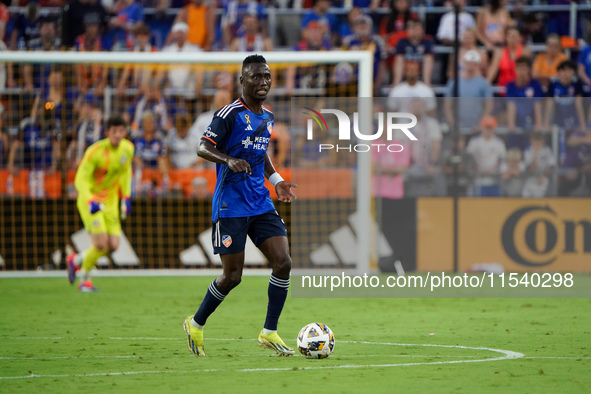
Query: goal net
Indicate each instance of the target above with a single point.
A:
(60, 104)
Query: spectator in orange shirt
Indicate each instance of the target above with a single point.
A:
(546, 63)
(200, 16)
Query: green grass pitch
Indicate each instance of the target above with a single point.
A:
(128, 338)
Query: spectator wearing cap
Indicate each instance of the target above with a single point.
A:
(329, 23)
(75, 12)
(231, 22)
(362, 39)
(91, 76)
(488, 152)
(474, 95)
(446, 33)
(546, 63)
(564, 105)
(411, 87)
(415, 48)
(185, 81)
(136, 75)
(524, 103)
(252, 40)
(314, 76)
(129, 14)
(199, 15)
(468, 43)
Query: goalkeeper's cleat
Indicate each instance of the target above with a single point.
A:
(194, 337)
(72, 268)
(87, 287)
(274, 342)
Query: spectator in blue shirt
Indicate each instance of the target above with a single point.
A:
(584, 64)
(128, 17)
(416, 48)
(565, 99)
(363, 40)
(524, 103)
(150, 150)
(320, 14)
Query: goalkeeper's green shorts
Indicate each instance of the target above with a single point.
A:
(104, 221)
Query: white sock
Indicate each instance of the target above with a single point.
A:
(83, 275)
(194, 324)
(265, 331)
(79, 257)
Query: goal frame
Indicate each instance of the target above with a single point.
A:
(363, 60)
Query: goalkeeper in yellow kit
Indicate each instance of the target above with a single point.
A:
(104, 172)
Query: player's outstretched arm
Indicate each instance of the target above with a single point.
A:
(209, 152)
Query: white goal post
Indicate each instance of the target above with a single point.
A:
(363, 59)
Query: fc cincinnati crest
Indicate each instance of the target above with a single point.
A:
(226, 240)
(269, 127)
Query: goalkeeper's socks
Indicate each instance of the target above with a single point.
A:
(91, 256)
(277, 294)
(212, 299)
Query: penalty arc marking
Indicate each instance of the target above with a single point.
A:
(504, 355)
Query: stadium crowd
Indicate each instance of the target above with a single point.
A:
(523, 81)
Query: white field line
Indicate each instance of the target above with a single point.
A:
(506, 355)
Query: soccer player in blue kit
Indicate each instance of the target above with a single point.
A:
(237, 140)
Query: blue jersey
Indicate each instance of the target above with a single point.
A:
(564, 102)
(526, 96)
(149, 151)
(238, 132)
(37, 147)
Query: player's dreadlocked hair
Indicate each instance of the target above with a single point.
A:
(253, 59)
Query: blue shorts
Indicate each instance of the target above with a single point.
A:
(229, 234)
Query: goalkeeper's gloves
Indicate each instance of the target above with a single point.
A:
(95, 206)
(125, 207)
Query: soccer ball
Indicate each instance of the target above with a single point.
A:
(316, 340)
